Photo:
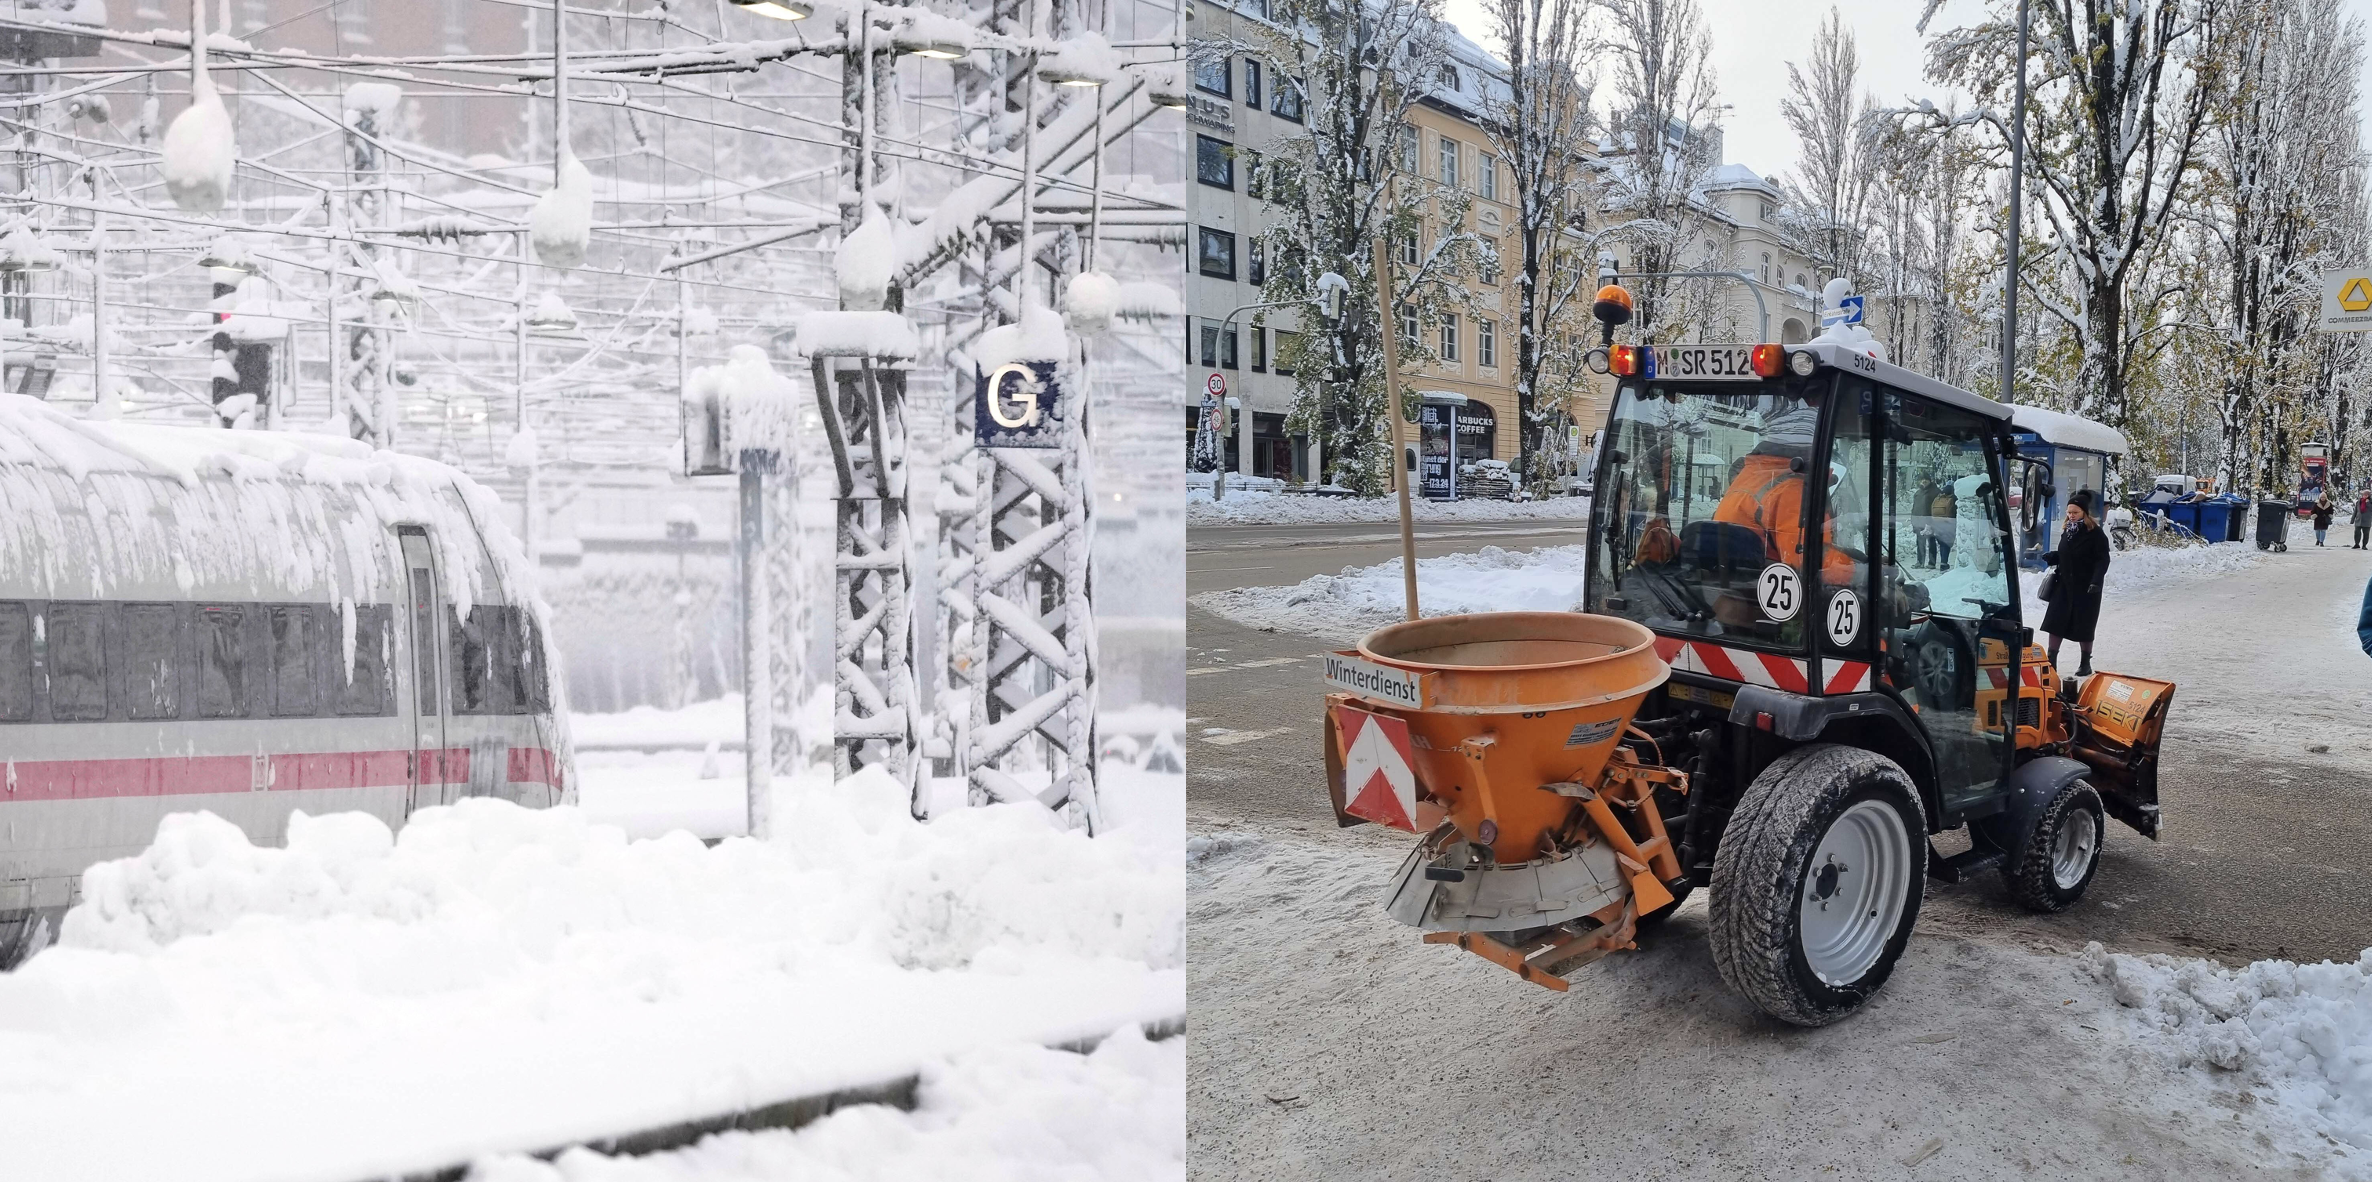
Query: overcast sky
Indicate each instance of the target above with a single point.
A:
(1753, 40)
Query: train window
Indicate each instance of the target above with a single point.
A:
(77, 661)
(483, 653)
(365, 687)
(222, 662)
(152, 660)
(16, 662)
(292, 661)
(535, 682)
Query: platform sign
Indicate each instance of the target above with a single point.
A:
(1379, 768)
(1018, 405)
(2347, 300)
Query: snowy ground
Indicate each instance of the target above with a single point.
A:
(1999, 1050)
(1246, 507)
(1349, 1049)
(1011, 1114)
(1344, 607)
(360, 1004)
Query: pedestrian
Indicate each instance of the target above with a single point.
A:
(2322, 517)
(2078, 566)
(2362, 519)
(1943, 524)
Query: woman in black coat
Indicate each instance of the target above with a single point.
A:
(2080, 562)
(2322, 517)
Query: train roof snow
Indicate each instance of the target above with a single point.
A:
(117, 510)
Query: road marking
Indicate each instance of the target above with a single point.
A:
(1245, 665)
(1205, 570)
(1231, 738)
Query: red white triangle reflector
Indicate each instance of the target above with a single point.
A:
(1379, 776)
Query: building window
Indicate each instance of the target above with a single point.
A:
(1799, 281)
(1449, 77)
(1227, 348)
(1216, 252)
(1408, 249)
(1259, 346)
(1408, 327)
(1213, 76)
(1214, 163)
(1210, 345)
(1490, 262)
(1408, 150)
(1252, 84)
(1255, 175)
(1257, 262)
(1766, 211)
(1449, 339)
(1490, 176)
(1288, 352)
(1285, 98)
(1767, 269)
(1449, 162)
(1486, 343)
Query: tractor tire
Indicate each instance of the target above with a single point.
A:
(2063, 853)
(1822, 827)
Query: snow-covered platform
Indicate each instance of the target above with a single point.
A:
(498, 980)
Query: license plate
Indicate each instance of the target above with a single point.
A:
(1717, 699)
(1728, 363)
(1376, 683)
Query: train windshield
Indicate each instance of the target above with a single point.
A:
(1700, 520)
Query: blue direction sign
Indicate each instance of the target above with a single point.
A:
(1847, 311)
(1018, 405)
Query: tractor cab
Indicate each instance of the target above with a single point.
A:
(1820, 540)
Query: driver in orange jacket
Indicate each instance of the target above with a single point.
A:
(1767, 496)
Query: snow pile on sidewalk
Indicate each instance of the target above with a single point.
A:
(1348, 606)
(1013, 1114)
(1246, 507)
(696, 724)
(2134, 571)
(362, 1003)
(2301, 1032)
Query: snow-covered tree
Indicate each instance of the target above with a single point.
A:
(1830, 197)
(1540, 132)
(1663, 143)
(2115, 117)
(1350, 181)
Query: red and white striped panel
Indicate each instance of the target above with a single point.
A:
(1999, 675)
(1748, 667)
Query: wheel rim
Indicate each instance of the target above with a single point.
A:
(1853, 892)
(2074, 847)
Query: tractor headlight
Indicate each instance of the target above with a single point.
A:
(1802, 363)
(1597, 362)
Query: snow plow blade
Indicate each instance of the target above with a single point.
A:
(2120, 719)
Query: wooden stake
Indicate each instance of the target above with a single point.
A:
(1386, 312)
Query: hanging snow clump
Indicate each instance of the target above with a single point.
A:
(562, 224)
(864, 263)
(200, 154)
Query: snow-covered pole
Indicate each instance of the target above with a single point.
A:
(559, 91)
(2009, 287)
(528, 482)
(1400, 464)
(757, 654)
(1095, 197)
(1029, 172)
(100, 386)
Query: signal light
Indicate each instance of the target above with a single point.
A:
(1624, 360)
(1766, 361)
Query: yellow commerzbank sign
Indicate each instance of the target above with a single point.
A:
(2347, 300)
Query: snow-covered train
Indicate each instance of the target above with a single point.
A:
(248, 623)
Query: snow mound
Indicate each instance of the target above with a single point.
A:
(1037, 337)
(200, 153)
(1348, 606)
(880, 335)
(2134, 571)
(561, 227)
(2302, 1031)
(1242, 507)
(1010, 1113)
(484, 889)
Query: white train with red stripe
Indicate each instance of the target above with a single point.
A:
(247, 623)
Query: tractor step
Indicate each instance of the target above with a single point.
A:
(1959, 866)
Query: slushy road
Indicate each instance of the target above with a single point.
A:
(1331, 1043)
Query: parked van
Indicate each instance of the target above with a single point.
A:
(248, 623)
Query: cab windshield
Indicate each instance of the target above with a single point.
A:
(1700, 519)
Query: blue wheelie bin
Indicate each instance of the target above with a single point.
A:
(2236, 517)
(2273, 525)
(2214, 516)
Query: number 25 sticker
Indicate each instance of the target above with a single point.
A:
(1778, 592)
(1844, 618)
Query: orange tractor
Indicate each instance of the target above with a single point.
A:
(1779, 693)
